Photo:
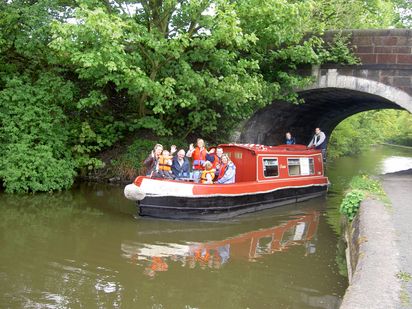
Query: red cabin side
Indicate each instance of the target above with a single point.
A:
(266, 163)
(244, 160)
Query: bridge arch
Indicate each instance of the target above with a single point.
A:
(332, 79)
(333, 98)
(382, 81)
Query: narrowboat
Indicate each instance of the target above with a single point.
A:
(266, 177)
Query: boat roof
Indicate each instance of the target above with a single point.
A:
(265, 149)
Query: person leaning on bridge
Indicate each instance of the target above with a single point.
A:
(319, 142)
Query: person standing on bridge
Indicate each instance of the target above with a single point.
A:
(319, 142)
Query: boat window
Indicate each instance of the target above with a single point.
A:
(301, 166)
(294, 167)
(238, 155)
(311, 167)
(270, 167)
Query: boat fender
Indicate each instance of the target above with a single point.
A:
(134, 193)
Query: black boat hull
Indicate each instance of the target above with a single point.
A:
(223, 207)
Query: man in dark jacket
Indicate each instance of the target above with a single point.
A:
(180, 165)
(290, 140)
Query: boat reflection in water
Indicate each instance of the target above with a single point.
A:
(248, 246)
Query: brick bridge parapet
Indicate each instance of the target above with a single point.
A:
(385, 55)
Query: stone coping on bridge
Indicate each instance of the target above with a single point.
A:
(371, 32)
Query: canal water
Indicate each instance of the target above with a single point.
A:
(85, 249)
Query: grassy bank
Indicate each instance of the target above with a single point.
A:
(360, 188)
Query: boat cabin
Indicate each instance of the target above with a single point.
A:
(265, 163)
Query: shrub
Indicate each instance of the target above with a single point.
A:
(360, 186)
(35, 155)
(350, 204)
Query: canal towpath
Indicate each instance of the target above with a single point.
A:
(382, 278)
(398, 187)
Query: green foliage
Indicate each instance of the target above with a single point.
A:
(404, 276)
(403, 13)
(402, 130)
(35, 169)
(404, 297)
(355, 14)
(357, 133)
(338, 52)
(177, 81)
(33, 135)
(366, 184)
(361, 186)
(350, 203)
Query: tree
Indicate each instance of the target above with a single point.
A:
(88, 72)
(355, 14)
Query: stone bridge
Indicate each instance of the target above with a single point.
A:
(383, 80)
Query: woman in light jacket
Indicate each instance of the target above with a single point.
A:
(227, 171)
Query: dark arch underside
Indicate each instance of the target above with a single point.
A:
(323, 108)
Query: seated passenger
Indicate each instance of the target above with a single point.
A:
(208, 174)
(227, 171)
(151, 162)
(215, 157)
(180, 165)
(165, 165)
(218, 161)
(289, 139)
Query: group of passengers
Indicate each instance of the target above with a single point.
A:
(208, 166)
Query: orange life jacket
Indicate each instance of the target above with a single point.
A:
(163, 166)
(203, 177)
(216, 161)
(199, 157)
(222, 170)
